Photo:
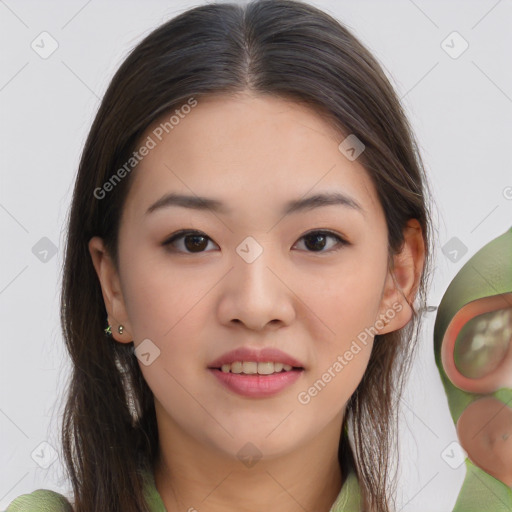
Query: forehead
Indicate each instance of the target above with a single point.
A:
(245, 150)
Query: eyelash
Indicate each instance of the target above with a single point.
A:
(184, 233)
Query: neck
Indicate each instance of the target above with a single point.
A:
(191, 477)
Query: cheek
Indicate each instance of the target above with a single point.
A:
(167, 309)
(343, 305)
(160, 297)
(326, 391)
(341, 333)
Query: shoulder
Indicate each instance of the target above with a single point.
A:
(40, 501)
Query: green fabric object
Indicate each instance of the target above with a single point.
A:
(481, 492)
(40, 501)
(487, 273)
(348, 499)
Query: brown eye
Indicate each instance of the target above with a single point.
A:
(317, 240)
(193, 241)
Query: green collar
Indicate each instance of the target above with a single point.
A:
(348, 500)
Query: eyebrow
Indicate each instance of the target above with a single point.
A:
(293, 206)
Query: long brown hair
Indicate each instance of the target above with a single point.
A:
(283, 48)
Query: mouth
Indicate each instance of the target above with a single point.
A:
(256, 368)
(256, 380)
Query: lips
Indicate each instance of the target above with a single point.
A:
(259, 356)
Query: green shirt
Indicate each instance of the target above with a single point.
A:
(348, 500)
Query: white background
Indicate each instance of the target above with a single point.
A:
(460, 110)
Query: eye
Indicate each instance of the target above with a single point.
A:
(317, 240)
(196, 241)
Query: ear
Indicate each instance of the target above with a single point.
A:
(403, 280)
(111, 289)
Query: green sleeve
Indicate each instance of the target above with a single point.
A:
(40, 501)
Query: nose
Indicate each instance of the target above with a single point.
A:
(256, 294)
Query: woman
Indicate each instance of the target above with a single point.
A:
(251, 217)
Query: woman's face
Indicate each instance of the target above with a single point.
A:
(251, 278)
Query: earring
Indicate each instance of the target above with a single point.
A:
(108, 330)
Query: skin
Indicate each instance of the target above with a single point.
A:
(254, 154)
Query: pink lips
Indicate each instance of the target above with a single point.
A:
(255, 385)
(260, 356)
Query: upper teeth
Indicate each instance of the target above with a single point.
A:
(265, 368)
